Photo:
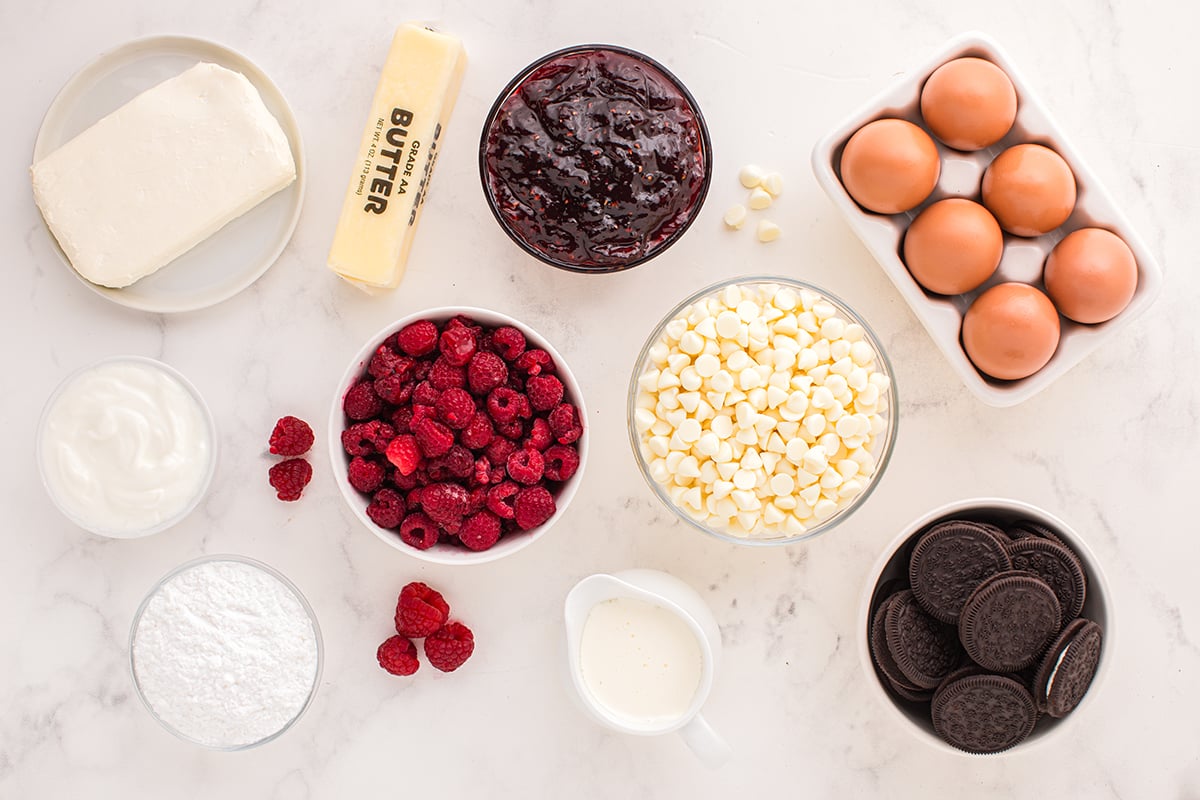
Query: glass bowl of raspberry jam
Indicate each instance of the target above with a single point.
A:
(595, 159)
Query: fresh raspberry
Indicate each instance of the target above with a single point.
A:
(413, 498)
(433, 437)
(562, 461)
(513, 431)
(402, 419)
(387, 362)
(456, 408)
(365, 476)
(404, 453)
(361, 402)
(381, 435)
(445, 503)
(417, 338)
(545, 392)
(444, 375)
(463, 321)
(457, 345)
(505, 405)
(499, 497)
(478, 433)
(476, 500)
(424, 394)
(485, 372)
(482, 471)
(535, 362)
(358, 440)
(532, 507)
(526, 466)
(420, 611)
(498, 474)
(394, 389)
(289, 478)
(456, 463)
(450, 646)
(386, 508)
(398, 656)
(540, 436)
(419, 531)
(508, 342)
(499, 450)
(420, 412)
(404, 482)
(480, 531)
(291, 437)
(565, 423)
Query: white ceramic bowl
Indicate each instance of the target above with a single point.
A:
(444, 553)
(1023, 258)
(893, 563)
(202, 487)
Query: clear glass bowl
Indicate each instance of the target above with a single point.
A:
(312, 618)
(883, 449)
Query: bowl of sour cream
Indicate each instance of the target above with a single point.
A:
(126, 447)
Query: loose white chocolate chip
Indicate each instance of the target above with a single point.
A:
(768, 231)
(773, 183)
(735, 216)
(751, 175)
(759, 199)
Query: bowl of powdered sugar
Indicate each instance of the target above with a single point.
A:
(225, 652)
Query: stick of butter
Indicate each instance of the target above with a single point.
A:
(161, 174)
(396, 157)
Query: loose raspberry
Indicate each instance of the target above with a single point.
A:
(540, 436)
(532, 507)
(450, 646)
(562, 461)
(365, 476)
(457, 345)
(509, 342)
(424, 394)
(456, 408)
(456, 463)
(479, 432)
(513, 431)
(485, 372)
(499, 497)
(433, 437)
(444, 375)
(418, 338)
(387, 362)
(361, 402)
(394, 389)
(545, 392)
(291, 437)
(419, 531)
(535, 362)
(405, 454)
(289, 478)
(480, 531)
(420, 611)
(505, 405)
(445, 503)
(526, 466)
(386, 508)
(499, 450)
(398, 656)
(565, 423)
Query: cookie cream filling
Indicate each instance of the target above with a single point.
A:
(1054, 672)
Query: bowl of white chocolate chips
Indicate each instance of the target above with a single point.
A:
(762, 410)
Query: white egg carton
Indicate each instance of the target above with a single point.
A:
(961, 176)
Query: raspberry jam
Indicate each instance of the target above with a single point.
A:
(595, 159)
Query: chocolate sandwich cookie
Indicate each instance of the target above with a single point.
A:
(949, 562)
(983, 713)
(1066, 671)
(1058, 567)
(885, 665)
(925, 650)
(1027, 528)
(1008, 621)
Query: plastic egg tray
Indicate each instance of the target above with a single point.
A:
(1023, 258)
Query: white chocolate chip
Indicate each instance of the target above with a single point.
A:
(735, 216)
(767, 231)
(773, 183)
(751, 175)
(759, 199)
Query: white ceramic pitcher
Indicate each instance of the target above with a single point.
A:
(665, 591)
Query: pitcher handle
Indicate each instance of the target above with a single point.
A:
(706, 743)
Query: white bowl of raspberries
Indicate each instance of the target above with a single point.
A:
(457, 435)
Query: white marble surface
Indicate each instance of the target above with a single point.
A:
(1111, 447)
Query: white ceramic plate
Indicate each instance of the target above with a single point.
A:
(233, 257)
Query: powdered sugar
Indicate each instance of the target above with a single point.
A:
(225, 653)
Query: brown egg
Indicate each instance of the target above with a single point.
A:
(1091, 275)
(1010, 331)
(953, 246)
(969, 103)
(1030, 189)
(890, 166)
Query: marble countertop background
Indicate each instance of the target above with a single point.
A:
(1111, 447)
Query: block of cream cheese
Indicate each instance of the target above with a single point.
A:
(399, 148)
(162, 173)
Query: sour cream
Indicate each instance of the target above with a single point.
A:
(126, 447)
